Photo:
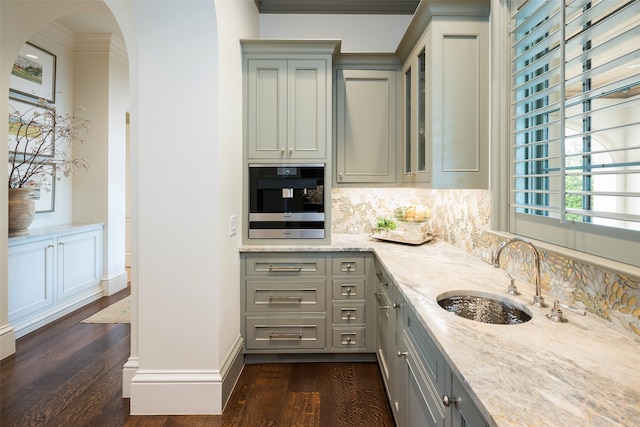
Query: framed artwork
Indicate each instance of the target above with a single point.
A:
(21, 112)
(34, 74)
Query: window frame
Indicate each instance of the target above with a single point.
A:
(611, 243)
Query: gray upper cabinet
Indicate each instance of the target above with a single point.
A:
(366, 124)
(445, 104)
(288, 99)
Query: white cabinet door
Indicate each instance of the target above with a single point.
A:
(79, 262)
(51, 273)
(31, 274)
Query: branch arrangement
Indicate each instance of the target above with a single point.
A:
(41, 145)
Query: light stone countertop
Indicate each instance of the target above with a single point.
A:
(582, 373)
(45, 232)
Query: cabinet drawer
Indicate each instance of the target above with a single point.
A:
(348, 339)
(281, 296)
(285, 265)
(352, 264)
(348, 314)
(348, 289)
(285, 333)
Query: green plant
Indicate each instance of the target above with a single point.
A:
(385, 224)
(41, 145)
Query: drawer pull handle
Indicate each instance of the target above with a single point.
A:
(348, 340)
(284, 268)
(348, 290)
(383, 307)
(285, 336)
(285, 300)
(348, 314)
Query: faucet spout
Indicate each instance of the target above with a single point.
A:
(538, 300)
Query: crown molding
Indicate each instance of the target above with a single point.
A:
(428, 9)
(302, 46)
(101, 42)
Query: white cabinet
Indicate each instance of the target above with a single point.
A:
(366, 122)
(287, 99)
(446, 105)
(52, 272)
(31, 277)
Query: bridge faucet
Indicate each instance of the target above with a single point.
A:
(538, 300)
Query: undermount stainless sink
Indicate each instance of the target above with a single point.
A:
(484, 307)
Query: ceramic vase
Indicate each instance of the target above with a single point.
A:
(21, 211)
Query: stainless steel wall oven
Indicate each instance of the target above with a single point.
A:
(286, 201)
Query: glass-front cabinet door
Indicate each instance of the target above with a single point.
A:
(408, 129)
(416, 118)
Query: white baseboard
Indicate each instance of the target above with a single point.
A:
(128, 372)
(231, 369)
(29, 324)
(7, 341)
(187, 392)
(115, 283)
(176, 392)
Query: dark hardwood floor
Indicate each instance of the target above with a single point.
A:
(70, 374)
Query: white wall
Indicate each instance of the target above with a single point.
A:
(186, 145)
(359, 33)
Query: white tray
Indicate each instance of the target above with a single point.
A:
(399, 238)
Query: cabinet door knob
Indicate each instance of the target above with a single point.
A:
(448, 401)
(396, 305)
(402, 353)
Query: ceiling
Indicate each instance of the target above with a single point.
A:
(105, 23)
(385, 7)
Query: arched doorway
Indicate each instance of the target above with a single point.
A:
(91, 69)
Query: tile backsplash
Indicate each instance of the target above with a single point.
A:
(458, 216)
(463, 218)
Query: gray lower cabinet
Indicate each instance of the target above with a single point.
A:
(463, 412)
(307, 303)
(388, 321)
(422, 389)
(315, 303)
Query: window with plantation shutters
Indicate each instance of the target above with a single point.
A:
(575, 124)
